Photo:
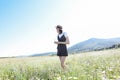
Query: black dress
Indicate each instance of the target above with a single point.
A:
(62, 48)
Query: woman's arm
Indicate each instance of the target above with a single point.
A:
(66, 42)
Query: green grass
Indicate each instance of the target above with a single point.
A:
(99, 65)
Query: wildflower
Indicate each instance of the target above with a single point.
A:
(69, 78)
(110, 69)
(118, 77)
(58, 78)
(103, 72)
(104, 77)
(75, 78)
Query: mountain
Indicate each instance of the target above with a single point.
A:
(43, 54)
(93, 44)
(87, 45)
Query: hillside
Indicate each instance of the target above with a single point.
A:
(43, 54)
(95, 65)
(94, 44)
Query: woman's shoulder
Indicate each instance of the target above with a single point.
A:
(65, 34)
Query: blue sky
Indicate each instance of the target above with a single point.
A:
(28, 26)
(22, 22)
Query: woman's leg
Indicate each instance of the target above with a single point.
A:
(62, 60)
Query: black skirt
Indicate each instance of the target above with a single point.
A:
(62, 50)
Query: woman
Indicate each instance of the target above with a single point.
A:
(62, 48)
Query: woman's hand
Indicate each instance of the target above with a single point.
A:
(66, 42)
(56, 42)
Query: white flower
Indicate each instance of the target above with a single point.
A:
(75, 78)
(58, 78)
(69, 77)
(103, 72)
(72, 78)
(104, 78)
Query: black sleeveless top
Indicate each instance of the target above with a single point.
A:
(62, 48)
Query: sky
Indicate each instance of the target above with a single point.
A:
(28, 26)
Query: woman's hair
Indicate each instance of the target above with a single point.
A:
(60, 31)
(60, 28)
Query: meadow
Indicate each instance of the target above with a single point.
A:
(96, 65)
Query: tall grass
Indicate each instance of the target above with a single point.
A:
(101, 65)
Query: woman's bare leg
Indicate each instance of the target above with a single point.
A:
(62, 60)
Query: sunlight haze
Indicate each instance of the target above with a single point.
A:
(28, 26)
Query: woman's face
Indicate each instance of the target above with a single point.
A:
(57, 29)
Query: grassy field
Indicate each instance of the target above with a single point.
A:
(99, 65)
